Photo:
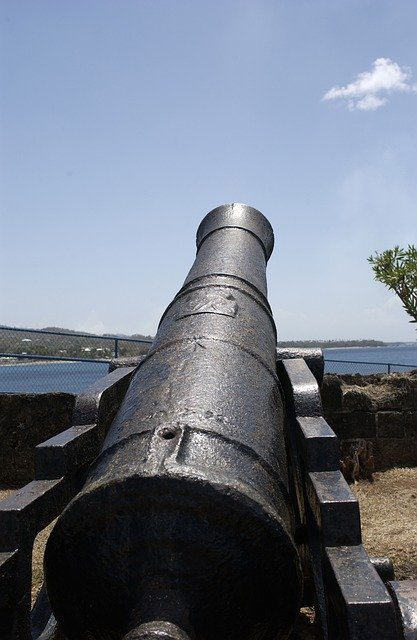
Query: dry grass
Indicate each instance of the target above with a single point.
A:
(37, 559)
(389, 527)
(388, 509)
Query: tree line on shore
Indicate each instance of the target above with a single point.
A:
(92, 346)
(70, 345)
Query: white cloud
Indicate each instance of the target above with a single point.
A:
(368, 103)
(370, 88)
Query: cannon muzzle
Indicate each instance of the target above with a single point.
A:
(183, 529)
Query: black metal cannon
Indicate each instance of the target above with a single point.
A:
(185, 515)
(200, 491)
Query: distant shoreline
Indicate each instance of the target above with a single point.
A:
(332, 344)
(365, 346)
(19, 363)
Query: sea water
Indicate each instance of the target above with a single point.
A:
(75, 377)
(366, 360)
(43, 377)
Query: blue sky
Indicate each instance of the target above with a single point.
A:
(124, 122)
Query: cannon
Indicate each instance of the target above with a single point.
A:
(198, 492)
(188, 499)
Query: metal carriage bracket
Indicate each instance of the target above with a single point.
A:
(341, 580)
(60, 467)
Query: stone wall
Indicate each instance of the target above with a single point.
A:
(25, 421)
(379, 408)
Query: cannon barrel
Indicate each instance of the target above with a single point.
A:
(183, 529)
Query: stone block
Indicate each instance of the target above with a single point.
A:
(357, 424)
(390, 424)
(355, 379)
(377, 392)
(331, 393)
(395, 452)
(25, 421)
(356, 399)
(410, 424)
(387, 452)
(403, 388)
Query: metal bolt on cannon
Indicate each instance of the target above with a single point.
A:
(183, 529)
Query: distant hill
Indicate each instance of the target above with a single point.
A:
(70, 344)
(322, 344)
(134, 336)
(62, 330)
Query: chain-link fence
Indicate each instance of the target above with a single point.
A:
(34, 361)
(365, 368)
(42, 361)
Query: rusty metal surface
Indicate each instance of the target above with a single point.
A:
(185, 516)
(404, 594)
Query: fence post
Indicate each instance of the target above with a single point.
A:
(389, 368)
(116, 347)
